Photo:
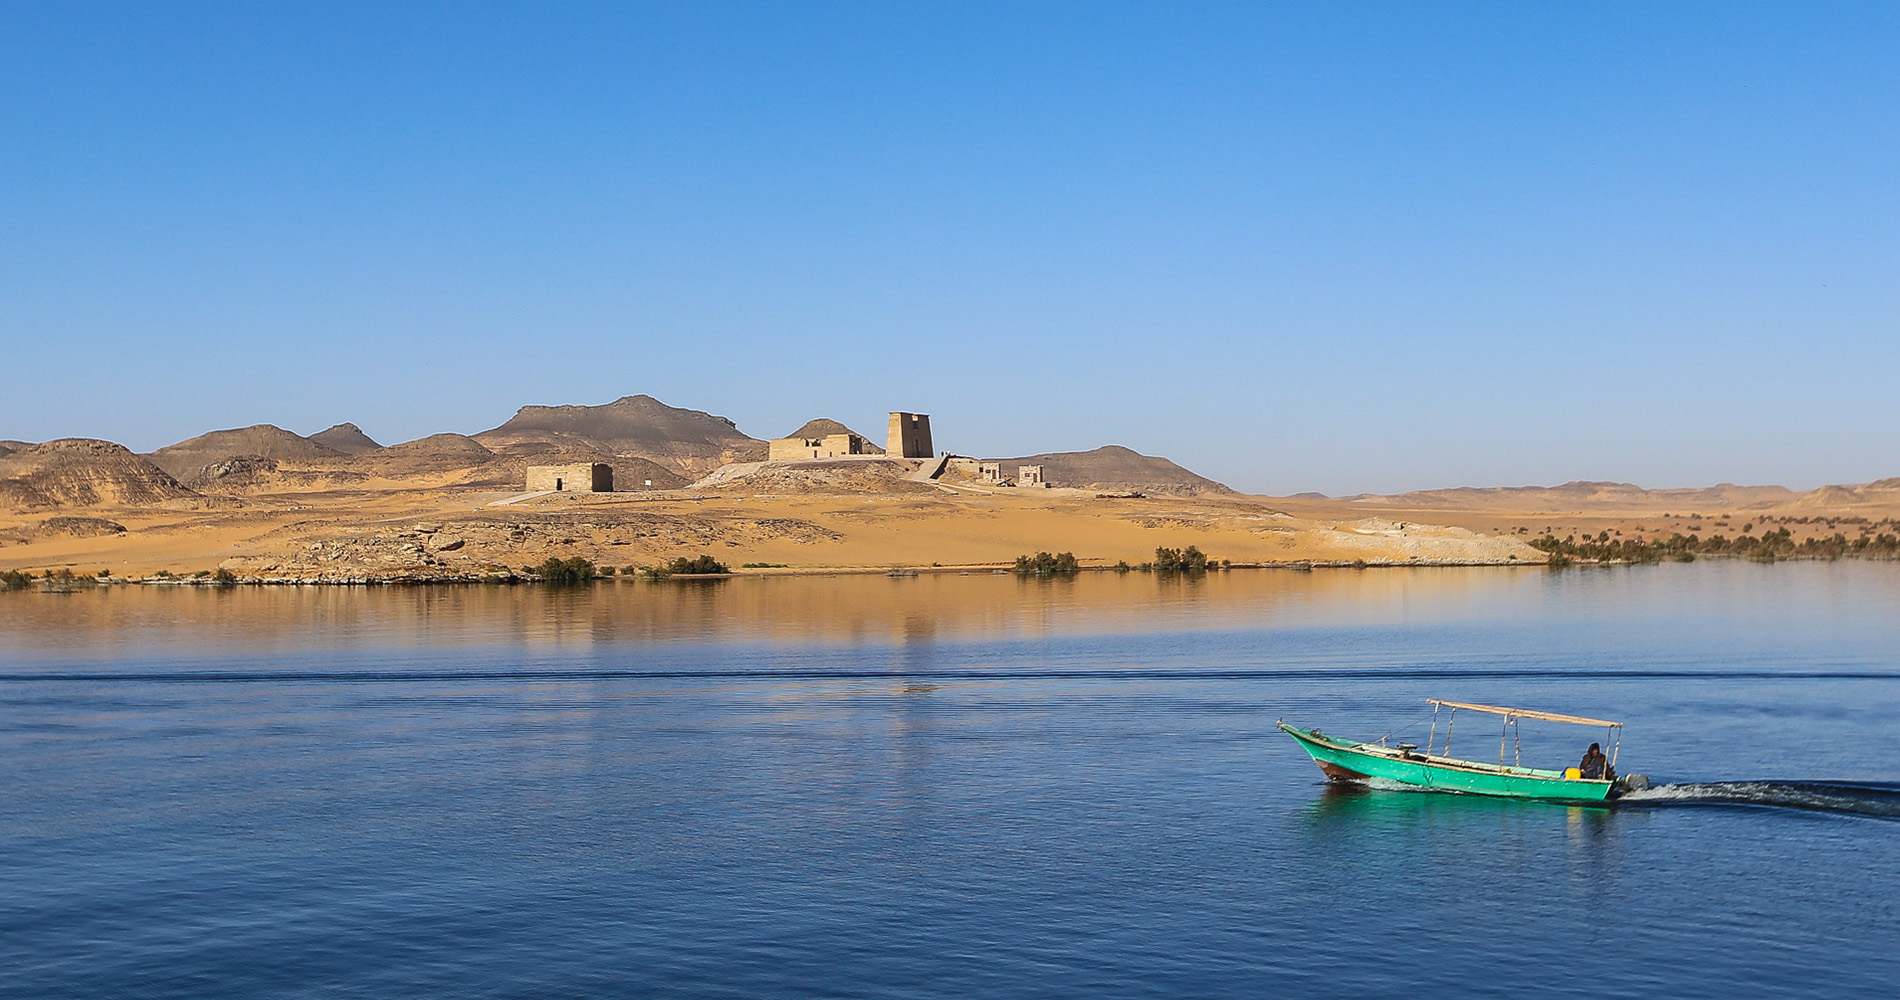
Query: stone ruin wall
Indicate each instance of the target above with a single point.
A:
(801, 449)
(590, 477)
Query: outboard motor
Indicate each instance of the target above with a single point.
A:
(1631, 783)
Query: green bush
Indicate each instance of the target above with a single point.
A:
(224, 577)
(13, 579)
(698, 564)
(565, 572)
(1044, 564)
(1188, 560)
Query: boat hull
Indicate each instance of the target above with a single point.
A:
(1345, 760)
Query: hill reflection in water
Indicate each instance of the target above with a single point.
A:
(877, 610)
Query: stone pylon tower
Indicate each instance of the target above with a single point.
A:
(909, 436)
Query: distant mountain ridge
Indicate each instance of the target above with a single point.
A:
(1589, 494)
(651, 444)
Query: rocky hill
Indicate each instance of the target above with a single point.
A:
(189, 458)
(435, 453)
(81, 472)
(688, 442)
(1114, 468)
(346, 438)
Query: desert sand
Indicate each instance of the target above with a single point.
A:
(424, 532)
(397, 529)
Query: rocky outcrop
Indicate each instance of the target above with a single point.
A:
(488, 544)
(1116, 469)
(78, 527)
(841, 477)
(82, 472)
(239, 468)
(687, 442)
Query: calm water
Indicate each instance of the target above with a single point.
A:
(944, 787)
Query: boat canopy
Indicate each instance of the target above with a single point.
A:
(1525, 713)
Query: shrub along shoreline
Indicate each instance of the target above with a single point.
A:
(1770, 546)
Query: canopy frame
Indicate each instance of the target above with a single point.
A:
(1613, 735)
(1526, 713)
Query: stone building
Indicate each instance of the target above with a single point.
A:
(909, 436)
(1029, 475)
(587, 477)
(829, 446)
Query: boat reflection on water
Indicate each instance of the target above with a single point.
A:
(1441, 842)
(1344, 808)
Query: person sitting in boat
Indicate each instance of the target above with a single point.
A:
(1594, 763)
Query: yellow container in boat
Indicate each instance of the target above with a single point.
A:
(1573, 773)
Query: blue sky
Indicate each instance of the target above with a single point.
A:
(1298, 247)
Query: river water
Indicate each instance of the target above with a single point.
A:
(945, 786)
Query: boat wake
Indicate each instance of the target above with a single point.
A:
(1874, 799)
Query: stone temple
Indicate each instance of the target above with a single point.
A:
(587, 477)
(909, 436)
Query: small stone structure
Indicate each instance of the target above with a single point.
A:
(1029, 475)
(587, 477)
(909, 436)
(990, 472)
(829, 446)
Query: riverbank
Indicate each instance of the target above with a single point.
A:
(451, 535)
(471, 536)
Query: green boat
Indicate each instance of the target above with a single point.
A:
(1436, 769)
